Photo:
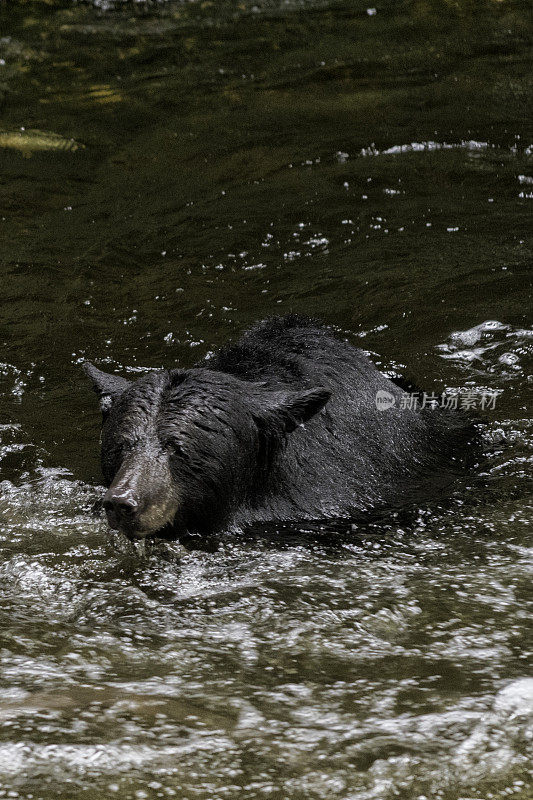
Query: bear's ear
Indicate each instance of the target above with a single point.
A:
(284, 411)
(106, 386)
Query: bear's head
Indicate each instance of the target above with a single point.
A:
(181, 449)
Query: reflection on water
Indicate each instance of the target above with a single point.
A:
(171, 172)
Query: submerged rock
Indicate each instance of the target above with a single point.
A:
(32, 140)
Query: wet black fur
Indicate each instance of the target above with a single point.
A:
(283, 425)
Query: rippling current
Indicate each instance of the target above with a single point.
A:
(170, 173)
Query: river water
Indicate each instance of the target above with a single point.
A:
(169, 174)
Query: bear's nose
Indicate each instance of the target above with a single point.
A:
(121, 502)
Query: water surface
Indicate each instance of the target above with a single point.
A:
(170, 173)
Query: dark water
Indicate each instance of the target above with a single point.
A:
(184, 169)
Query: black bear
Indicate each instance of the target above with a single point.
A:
(289, 423)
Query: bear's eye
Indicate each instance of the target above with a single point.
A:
(125, 443)
(174, 447)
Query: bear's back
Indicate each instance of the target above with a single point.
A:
(352, 456)
(291, 350)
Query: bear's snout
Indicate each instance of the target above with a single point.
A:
(142, 498)
(121, 506)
